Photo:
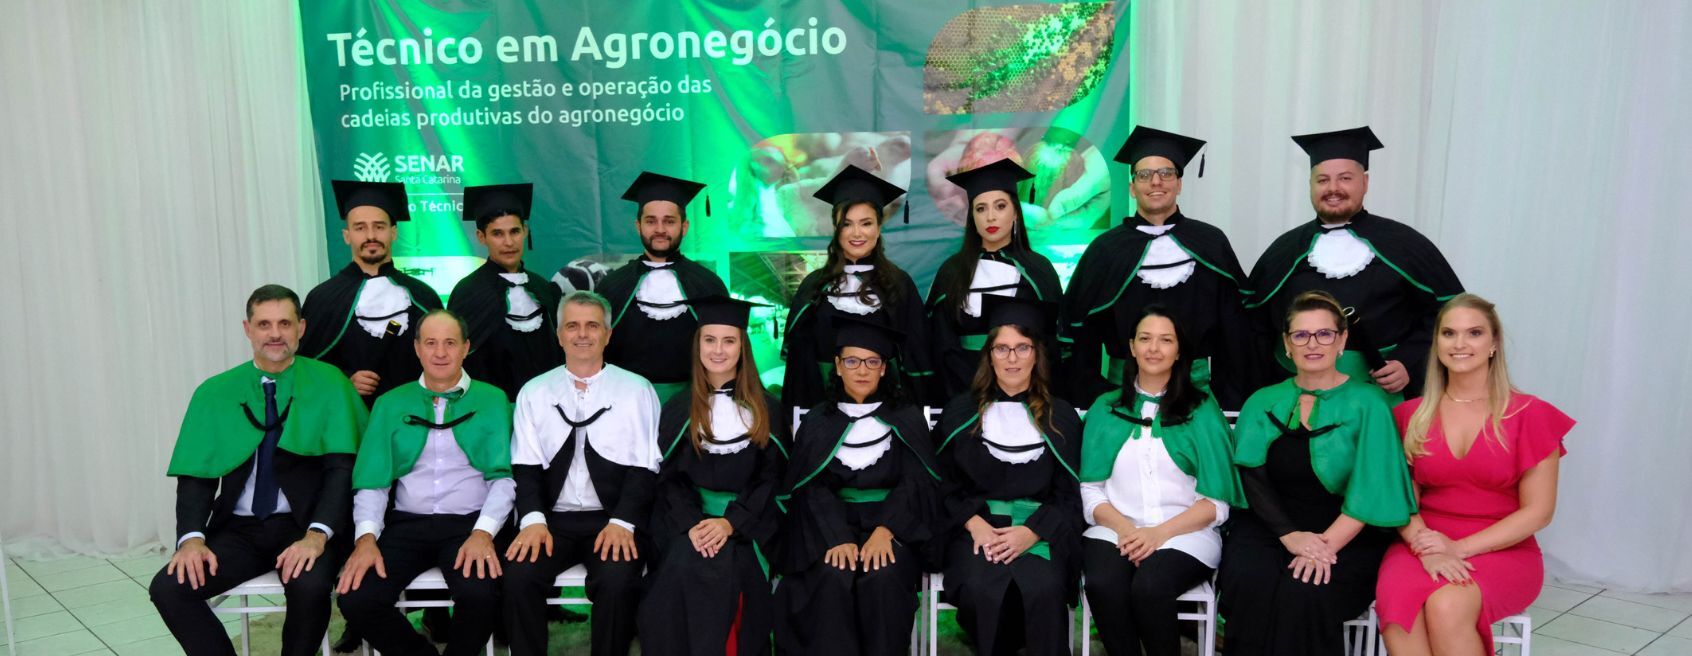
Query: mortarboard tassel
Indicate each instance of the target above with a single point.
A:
(907, 211)
(1201, 166)
(707, 206)
(1031, 194)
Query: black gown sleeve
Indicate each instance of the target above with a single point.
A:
(1058, 518)
(960, 497)
(334, 497)
(674, 496)
(531, 483)
(634, 501)
(1264, 501)
(751, 508)
(194, 499)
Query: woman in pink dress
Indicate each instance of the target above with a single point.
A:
(1484, 459)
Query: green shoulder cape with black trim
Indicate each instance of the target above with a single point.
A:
(480, 421)
(1201, 445)
(1359, 458)
(321, 414)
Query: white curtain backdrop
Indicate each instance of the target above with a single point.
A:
(158, 164)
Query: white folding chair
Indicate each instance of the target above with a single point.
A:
(1362, 635)
(1513, 630)
(1203, 595)
(575, 577)
(430, 580)
(268, 583)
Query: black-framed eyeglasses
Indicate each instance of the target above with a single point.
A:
(854, 363)
(1323, 337)
(1165, 174)
(1002, 351)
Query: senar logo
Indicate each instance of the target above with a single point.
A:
(371, 167)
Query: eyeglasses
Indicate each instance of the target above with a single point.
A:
(1323, 337)
(854, 363)
(1165, 174)
(1002, 351)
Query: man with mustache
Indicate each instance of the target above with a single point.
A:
(362, 319)
(1389, 277)
(648, 295)
(584, 453)
(510, 310)
(263, 466)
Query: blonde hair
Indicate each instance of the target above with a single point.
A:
(1498, 386)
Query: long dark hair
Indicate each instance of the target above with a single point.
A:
(1181, 397)
(748, 393)
(883, 278)
(959, 269)
(985, 382)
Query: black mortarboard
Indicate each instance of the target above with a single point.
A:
(485, 203)
(723, 310)
(387, 196)
(865, 333)
(1145, 142)
(1025, 313)
(1001, 175)
(1353, 144)
(855, 185)
(651, 186)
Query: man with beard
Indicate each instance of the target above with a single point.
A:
(263, 468)
(361, 319)
(648, 295)
(510, 310)
(1390, 278)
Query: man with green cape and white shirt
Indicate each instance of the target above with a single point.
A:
(440, 448)
(263, 467)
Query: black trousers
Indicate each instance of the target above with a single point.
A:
(411, 544)
(613, 587)
(245, 548)
(1134, 606)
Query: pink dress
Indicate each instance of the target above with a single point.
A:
(1462, 496)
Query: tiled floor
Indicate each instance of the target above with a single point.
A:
(85, 605)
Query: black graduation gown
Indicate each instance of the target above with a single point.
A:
(500, 354)
(691, 600)
(330, 335)
(1268, 612)
(1396, 297)
(809, 341)
(1045, 587)
(1105, 297)
(949, 324)
(643, 345)
(829, 611)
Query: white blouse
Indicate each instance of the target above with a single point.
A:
(1147, 488)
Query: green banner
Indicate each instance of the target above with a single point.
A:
(763, 101)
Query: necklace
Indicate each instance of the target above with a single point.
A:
(1453, 398)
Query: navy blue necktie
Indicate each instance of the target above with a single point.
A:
(265, 490)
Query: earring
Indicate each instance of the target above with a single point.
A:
(1492, 354)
